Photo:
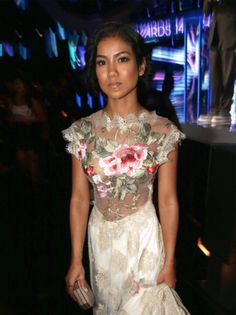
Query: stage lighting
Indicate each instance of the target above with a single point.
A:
(61, 31)
(78, 100)
(201, 246)
(51, 43)
(22, 4)
(90, 101)
(23, 51)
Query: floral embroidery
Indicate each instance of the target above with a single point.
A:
(102, 280)
(125, 160)
(148, 260)
(128, 286)
(115, 299)
(82, 147)
(121, 156)
(136, 287)
(103, 188)
(103, 240)
(89, 170)
(119, 261)
(100, 309)
(133, 243)
(151, 169)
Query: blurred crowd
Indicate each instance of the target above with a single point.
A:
(32, 115)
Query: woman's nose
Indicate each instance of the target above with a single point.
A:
(112, 69)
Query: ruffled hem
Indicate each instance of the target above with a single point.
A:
(157, 300)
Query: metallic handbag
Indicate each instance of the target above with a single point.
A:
(85, 299)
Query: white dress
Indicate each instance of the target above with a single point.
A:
(121, 157)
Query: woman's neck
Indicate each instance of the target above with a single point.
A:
(20, 99)
(122, 108)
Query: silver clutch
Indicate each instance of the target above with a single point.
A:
(85, 300)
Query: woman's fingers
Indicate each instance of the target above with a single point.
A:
(83, 284)
(160, 279)
(70, 289)
(167, 277)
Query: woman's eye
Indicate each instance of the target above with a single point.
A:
(100, 62)
(123, 59)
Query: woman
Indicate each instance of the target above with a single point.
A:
(119, 150)
(26, 116)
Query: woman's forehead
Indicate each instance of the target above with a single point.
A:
(112, 44)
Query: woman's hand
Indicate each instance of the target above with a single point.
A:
(167, 275)
(75, 273)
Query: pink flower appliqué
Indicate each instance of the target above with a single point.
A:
(125, 160)
(81, 149)
(151, 169)
(136, 287)
(110, 165)
(103, 189)
(89, 170)
(131, 158)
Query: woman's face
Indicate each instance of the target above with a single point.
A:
(19, 86)
(116, 68)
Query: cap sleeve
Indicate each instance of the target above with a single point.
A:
(172, 137)
(78, 135)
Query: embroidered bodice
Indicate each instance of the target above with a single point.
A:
(121, 156)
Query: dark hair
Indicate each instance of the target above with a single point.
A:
(129, 35)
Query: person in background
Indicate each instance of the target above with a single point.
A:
(26, 117)
(222, 43)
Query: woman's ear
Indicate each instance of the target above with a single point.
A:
(142, 67)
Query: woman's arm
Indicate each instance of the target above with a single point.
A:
(79, 209)
(169, 213)
(38, 111)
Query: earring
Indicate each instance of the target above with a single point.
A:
(140, 74)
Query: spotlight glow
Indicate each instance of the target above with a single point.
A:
(201, 246)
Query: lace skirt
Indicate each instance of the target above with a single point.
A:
(125, 258)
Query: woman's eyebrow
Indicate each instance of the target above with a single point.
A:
(116, 54)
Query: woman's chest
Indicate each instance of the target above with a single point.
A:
(131, 153)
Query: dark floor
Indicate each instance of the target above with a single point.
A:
(35, 247)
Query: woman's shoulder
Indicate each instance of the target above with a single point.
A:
(83, 128)
(161, 123)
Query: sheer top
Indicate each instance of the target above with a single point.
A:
(121, 156)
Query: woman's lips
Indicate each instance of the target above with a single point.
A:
(114, 85)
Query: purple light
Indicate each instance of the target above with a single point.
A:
(8, 49)
(206, 21)
(80, 54)
(179, 26)
(154, 29)
(164, 28)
